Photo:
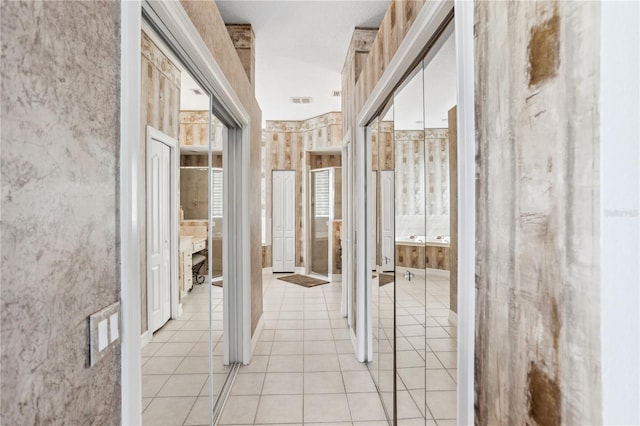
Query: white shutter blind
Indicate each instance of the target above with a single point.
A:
(216, 193)
(322, 193)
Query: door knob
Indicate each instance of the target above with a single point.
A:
(408, 275)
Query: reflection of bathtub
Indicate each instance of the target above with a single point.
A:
(423, 252)
(420, 240)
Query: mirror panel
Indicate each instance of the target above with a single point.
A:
(409, 239)
(441, 206)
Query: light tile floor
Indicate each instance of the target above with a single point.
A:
(175, 364)
(425, 348)
(304, 370)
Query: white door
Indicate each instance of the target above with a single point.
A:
(387, 220)
(373, 218)
(283, 247)
(158, 229)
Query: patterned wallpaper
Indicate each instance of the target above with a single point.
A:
(193, 129)
(289, 145)
(415, 151)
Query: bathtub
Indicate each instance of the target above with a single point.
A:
(423, 252)
(421, 240)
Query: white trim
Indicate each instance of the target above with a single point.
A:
(145, 338)
(131, 362)
(174, 205)
(256, 335)
(363, 301)
(245, 246)
(335, 277)
(466, 211)
(453, 318)
(268, 270)
(619, 205)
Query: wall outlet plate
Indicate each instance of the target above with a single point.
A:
(104, 332)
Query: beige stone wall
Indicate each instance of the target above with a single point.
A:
(60, 107)
(207, 20)
(289, 145)
(537, 266)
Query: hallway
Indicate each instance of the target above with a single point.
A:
(303, 370)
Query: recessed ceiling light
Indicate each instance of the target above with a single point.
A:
(301, 100)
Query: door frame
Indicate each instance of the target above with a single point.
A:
(429, 19)
(174, 23)
(308, 251)
(174, 151)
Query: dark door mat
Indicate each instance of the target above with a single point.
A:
(303, 280)
(386, 279)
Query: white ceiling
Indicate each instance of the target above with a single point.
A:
(437, 93)
(189, 99)
(300, 49)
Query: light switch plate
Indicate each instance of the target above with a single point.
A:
(102, 333)
(114, 331)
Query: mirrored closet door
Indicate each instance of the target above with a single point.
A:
(413, 195)
(185, 360)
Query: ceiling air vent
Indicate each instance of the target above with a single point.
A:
(302, 100)
(336, 93)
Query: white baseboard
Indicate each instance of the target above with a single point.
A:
(437, 272)
(268, 270)
(300, 270)
(256, 336)
(335, 277)
(453, 318)
(145, 339)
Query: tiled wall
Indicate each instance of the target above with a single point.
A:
(537, 236)
(60, 104)
(289, 145)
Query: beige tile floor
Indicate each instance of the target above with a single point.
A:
(175, 364)
(304, 370)
(425, 345)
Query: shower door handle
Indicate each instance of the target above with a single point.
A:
(408, 275)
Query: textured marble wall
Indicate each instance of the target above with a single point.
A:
(59, 164)
(207, 20)
(289, 145)
(537, 239)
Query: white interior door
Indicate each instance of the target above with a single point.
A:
(283, 236)
(387, 220)
(372, 228)
(159, 231)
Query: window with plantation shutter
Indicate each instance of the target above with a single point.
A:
(322, 193)
(216, 193)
